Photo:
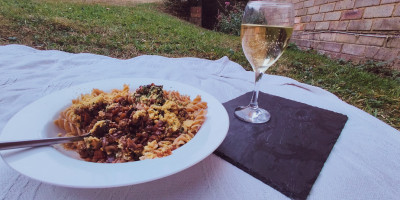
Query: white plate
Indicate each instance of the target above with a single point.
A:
(47, 164)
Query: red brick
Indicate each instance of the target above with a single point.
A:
(364, 3)
(332, 16)
(314, 44)
(320, 2)
(305, 19)
(317, 17)
(310, 26)
(304, 43)
(322, 26)
(327, 36)
(297, 20)
(308, 3)
(305, 36)
(345, 38)
(344, 5)
(379, 11)
(294, 36)
(352, 14)
(387, 24)
(389, 1)
(313, 10)
(360, 25)
(299, 27)
(370, 51)
(393, 43)
(386, 54)
(315, 36)
(353, 49)
(338, 26)
(298, 5)
(396, 12)
(371, 41)
(327, 7)
(300, 12)
(330, 46)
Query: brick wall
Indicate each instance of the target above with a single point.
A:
(355, 30)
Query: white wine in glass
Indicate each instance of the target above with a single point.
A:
(264, 44)
(265, 33)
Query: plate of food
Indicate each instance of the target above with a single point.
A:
(139, 130)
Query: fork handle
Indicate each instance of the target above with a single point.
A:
(39, 142)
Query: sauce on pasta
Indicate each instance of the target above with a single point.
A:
(130, 126)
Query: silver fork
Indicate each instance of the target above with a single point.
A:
(40, 142)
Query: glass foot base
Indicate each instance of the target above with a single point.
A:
(252, 115)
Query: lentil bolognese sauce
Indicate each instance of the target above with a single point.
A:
(130, 126)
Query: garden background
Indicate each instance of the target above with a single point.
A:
(125, 29)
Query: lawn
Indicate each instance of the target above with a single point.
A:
(128, 31)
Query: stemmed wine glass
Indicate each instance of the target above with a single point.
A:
(265, 32)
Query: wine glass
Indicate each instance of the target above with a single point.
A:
(265, 32)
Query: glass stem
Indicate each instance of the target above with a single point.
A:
(254, 98)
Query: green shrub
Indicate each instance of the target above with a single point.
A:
(230, 18)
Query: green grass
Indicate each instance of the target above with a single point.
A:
(126, 32)
(376, 93)
(118, 31)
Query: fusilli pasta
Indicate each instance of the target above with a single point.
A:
(130, 126)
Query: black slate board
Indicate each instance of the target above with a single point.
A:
(290, 150)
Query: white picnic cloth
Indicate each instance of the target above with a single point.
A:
(364, 163)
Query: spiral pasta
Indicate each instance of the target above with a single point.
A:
(69, 127)
(196, 105)
(130, 126)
